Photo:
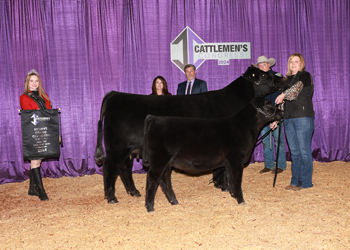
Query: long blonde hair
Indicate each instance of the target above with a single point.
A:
(41, 91)
(302, 62)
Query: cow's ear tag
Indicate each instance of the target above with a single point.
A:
(253, 75)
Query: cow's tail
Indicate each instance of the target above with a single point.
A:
(99, 153)
(145, 161)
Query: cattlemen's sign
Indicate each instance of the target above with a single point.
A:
(188, 47)
(221, 47)
(222, 51)
(40, 134)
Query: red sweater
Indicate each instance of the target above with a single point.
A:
(28, 103)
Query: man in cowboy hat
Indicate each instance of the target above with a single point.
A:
(265, 64)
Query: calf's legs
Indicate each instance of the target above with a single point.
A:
(234, 176)
(155, 176)
(151, 189)
(166, 186)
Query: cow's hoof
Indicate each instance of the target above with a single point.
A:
(224, 189)
(150, 210)
(135, 193)
(174, 202)
(113, 201)
(242, 203)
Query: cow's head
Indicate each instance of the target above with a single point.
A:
(264, 83)
(266, 110)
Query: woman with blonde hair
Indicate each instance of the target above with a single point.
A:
(32, 98)
(299, 121)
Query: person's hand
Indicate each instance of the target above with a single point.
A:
(273, 125)
(279, 99)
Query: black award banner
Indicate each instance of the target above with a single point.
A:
(40, 134)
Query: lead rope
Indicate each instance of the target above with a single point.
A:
(258, 142)
(277, 154)
(262, 138)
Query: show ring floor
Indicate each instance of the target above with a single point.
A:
(78, 217)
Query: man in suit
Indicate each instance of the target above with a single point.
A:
(192, 85)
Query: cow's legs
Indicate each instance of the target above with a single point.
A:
(235, 172)
(110, 173)
(126, 176)
(220, 179)
(167, 188)
(111, 169)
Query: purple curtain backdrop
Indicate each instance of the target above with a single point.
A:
(83, 49)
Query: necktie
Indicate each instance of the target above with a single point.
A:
(188, 88)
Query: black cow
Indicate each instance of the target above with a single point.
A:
(125, 114)
(196, 145)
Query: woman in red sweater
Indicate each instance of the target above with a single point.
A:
(34, 97)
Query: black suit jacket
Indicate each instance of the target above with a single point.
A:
(199, 86)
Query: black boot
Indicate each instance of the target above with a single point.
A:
(39, 183)
(33, 189)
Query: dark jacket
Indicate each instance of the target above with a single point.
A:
(302, 106)
(272, 97)
(199, 86)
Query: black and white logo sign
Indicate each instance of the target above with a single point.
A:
(189, 48)
(40, 134)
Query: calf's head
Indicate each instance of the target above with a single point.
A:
(264, 83)
(267, 112)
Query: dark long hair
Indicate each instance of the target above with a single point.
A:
(165, 86)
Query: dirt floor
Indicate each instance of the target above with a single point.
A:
(78, 217)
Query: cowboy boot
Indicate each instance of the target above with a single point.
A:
(33, 189)
(39, 183)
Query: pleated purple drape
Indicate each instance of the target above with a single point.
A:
(84, 48)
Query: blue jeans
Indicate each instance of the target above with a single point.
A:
(299, 133)
(269, 156)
